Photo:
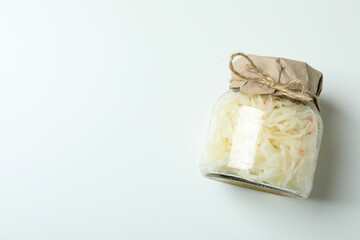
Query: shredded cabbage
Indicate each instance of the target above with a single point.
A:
(264, 138)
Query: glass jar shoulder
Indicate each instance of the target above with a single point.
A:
(269, 104)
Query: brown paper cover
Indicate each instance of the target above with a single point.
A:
(281, 70)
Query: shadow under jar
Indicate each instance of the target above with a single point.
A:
(263, 142)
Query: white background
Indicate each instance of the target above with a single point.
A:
(104, 108)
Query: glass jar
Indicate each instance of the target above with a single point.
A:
(263, 142)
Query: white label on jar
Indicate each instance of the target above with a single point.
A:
(248, 125)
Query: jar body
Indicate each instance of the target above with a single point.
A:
(263, 142)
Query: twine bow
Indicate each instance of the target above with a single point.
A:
(290, 89)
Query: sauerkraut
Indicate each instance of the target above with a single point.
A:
(265, 139)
